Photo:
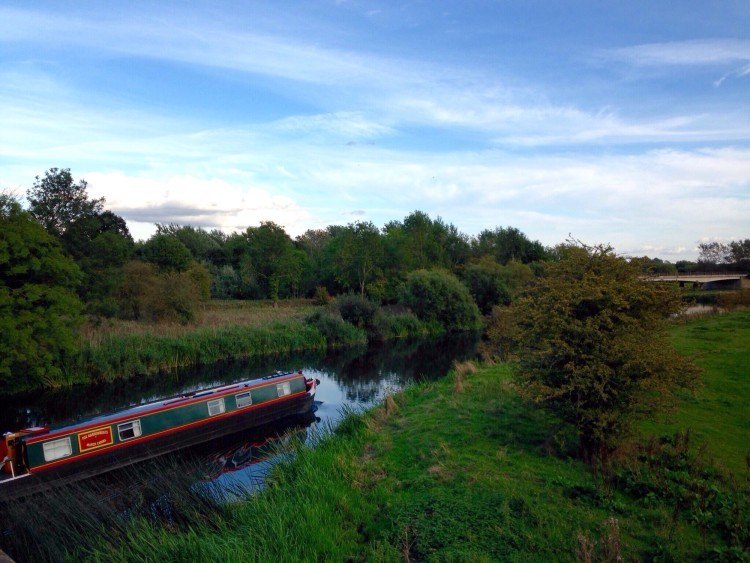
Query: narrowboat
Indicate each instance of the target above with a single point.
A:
(34, 456)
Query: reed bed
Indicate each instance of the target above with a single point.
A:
(214, 314)
(126, 355)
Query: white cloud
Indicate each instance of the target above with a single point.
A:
(694, 52)
(188, 200)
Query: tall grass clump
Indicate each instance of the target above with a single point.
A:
(391, 324)
(137, 354)
(286, 521)
(65, 522)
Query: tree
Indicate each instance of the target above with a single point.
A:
(148, 294)
(167, 252)
(203, 245)
(714, 253)
(56, 200)
(438, 296)
(39, 310)
(508, 243)
(593, 347)
(356, 255)
(100, 245)
(740, 252)
(276, 264)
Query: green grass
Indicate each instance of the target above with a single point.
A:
(718, 414)
(473, 476)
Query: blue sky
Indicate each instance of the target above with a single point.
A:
(619, 122)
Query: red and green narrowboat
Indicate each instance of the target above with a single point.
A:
(32, 456)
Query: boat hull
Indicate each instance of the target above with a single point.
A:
(108, 460)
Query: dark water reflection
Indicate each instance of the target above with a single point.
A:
(355, 378)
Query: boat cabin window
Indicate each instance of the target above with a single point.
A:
(57, 449)
(128, 430)
(283, 389)
(243, 399)
(216, 406)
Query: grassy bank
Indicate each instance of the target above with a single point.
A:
(717, 414)
(461, 469)
(147, 353)
(226, 330)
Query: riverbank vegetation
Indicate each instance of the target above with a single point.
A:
(76, 287)
(465, 469)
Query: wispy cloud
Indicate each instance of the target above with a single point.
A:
(694, 52)
(360, 94)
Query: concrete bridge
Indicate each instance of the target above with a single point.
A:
(706, 281)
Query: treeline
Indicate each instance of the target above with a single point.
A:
(713, 257)
(159, 278)
(66, 257)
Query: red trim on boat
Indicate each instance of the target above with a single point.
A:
(162, 433)
(172, 404)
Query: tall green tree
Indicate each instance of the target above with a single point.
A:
(508, 243)
(39, 310)
(56, 200)
(100, 245)
(167, 253)
(205, 246)
(276, 263)
(593, 346)
(357, 253)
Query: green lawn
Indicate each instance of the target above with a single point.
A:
(718, 413)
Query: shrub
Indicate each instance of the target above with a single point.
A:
(486, 285)
(594, 349)
(357, 310)
(730, 300)
(438, 296)
(500, 336)
(334, 329)
(321, 296)
(146, 294)
(200, 276)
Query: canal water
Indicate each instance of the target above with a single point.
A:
(353, 378)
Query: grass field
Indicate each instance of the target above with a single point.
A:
(718, 414)
(463, 470)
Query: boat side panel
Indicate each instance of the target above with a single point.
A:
(171, 418)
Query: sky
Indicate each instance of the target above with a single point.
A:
(625, 123)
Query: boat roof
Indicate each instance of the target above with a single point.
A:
(45, 432)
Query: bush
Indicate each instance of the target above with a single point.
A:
(201, 277)
(438, 296)
(357, 310)
(730, 300)
(593, 348)
(485, 282)
(146, 294)
(321, 296)
(500, 337)
(336, 330)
